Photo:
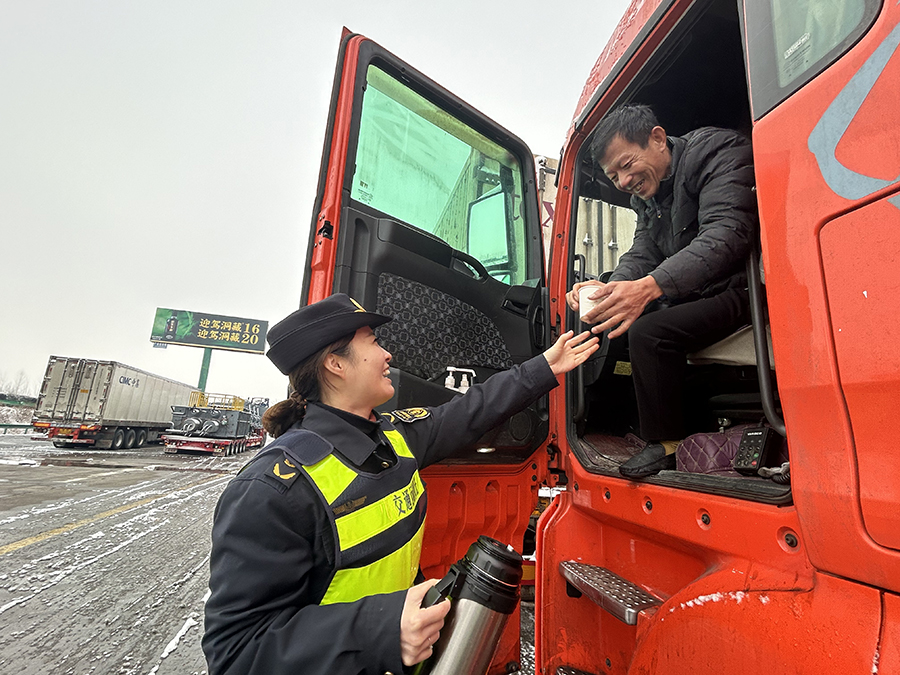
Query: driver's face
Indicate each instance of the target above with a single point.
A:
(637, 170)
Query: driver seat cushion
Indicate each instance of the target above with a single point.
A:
(735, 350)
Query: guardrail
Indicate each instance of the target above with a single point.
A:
(6, 427)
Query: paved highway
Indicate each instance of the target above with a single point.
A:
(104, 559)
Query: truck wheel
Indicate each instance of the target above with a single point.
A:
(130, 438)
(118, 439)
(141, 438)
(60, 444)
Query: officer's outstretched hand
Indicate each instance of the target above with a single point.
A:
(568, 352)
(420, 627)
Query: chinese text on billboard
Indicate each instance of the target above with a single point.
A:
(179, 327)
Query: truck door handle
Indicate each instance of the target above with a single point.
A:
(518, 299)
(466, 264)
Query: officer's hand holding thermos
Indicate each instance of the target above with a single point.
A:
(420, 624)
(483, 587)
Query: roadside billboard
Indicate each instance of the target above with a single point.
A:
(194, 329)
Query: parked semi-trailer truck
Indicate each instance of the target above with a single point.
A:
(104, 404)
(220, 424)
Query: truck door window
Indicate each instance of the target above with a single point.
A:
(418, 164)
(791, 41)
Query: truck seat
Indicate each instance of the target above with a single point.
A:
(735, 350)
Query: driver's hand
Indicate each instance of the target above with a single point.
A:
(572, 296)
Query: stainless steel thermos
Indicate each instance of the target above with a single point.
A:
(483, 587)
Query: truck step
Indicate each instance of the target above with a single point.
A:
(566, 670)
(618, 596)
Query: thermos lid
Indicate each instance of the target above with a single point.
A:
(499, 562)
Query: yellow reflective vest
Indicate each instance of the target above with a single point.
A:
(377, 520)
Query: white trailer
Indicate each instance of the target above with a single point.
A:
(105, 404)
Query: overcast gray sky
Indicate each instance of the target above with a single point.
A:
(166, 153)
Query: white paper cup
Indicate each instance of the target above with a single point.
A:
(585, 304)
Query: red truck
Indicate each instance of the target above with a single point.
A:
(428, 211)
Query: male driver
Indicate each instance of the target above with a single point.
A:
(682, 285)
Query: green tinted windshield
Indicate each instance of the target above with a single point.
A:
(418, 164)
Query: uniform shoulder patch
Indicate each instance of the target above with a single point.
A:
(408, 414)
(285, 470)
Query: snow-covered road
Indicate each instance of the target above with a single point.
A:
(104, 558)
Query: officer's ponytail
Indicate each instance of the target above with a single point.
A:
(306, 384)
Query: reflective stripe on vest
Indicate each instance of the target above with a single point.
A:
(395, 570)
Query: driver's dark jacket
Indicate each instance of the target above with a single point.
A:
(693, 237)
(273, 550)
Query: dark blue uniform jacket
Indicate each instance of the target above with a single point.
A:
(273, 549)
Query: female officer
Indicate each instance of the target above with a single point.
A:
(316, 542)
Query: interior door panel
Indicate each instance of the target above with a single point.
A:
(447, 312)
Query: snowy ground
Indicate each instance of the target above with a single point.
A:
(104, 558)
(15, 415)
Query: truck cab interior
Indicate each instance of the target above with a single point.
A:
(696, 77)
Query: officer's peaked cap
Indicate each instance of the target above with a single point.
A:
(303, 333)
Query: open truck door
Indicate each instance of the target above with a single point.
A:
(427, 212)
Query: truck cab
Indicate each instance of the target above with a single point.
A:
(428, 211)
